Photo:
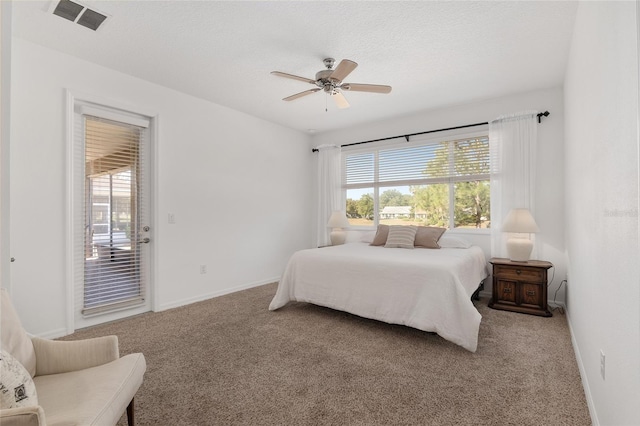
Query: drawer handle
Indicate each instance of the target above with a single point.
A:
(531, 293)
(518, 271)
(506, 290)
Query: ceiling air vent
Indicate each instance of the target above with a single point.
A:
(79, 14)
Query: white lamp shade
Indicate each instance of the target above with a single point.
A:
(338, 220)
(520, 220)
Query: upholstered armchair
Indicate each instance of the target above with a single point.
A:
(82, 382)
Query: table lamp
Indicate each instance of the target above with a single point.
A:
(519, 221)
(338, 221)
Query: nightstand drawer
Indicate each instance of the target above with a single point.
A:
(531, 295)
(518, 273)
(506, 291)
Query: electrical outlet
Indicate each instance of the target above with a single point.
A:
(171, 218)
(203, 269)
(602, 358)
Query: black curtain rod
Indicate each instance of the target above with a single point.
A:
(540, 115)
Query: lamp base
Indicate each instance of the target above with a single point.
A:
(519, 249)
(338, 236)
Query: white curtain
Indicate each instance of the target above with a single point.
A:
(329, 189)
(513, 141)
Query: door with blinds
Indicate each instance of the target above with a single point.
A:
(113, 233)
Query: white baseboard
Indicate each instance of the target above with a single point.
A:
(61, 332)
(219, 293)
(556, 304)
(576, 350)
(53, 334)
(583, 375)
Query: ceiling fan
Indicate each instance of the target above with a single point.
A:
(330, 81)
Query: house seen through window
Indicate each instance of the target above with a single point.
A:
(441, 183)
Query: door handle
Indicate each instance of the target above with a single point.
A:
(144, 241)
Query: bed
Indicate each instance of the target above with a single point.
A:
(427, 289)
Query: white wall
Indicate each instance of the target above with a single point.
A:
(549, 193)
(5, 125)
(239, 187)
(601, 162)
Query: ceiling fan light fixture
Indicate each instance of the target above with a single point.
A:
(330, 81)
(340, 100)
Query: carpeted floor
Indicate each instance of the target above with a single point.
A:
(230, 361)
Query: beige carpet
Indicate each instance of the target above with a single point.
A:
(230, 361)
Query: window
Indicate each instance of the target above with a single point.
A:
(438, 183)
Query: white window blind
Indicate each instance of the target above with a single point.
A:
(110, 270)
(450, 161)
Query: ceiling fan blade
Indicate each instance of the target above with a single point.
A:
(343, 69)
(340, 100)
(374, 88)
(301, 94)
(294, 77)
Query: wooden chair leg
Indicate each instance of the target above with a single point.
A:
(130, 413)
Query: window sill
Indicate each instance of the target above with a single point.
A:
(469, 231)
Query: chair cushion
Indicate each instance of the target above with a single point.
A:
(95, 396)
(58, 356)
(16, 385)
(13, 338)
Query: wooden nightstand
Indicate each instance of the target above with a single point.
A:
(520, 286)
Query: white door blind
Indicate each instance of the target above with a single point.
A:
(112, 267)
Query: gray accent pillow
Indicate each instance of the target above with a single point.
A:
(428, 236)
(381, 236)
(401, 236)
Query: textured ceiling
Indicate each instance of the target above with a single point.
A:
(432, 53)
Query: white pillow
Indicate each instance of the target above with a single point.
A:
(401, 236)
(367, 236)
(16, 385)
(447, 241)
(360, 236)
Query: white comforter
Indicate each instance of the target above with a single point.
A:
(422, 288)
